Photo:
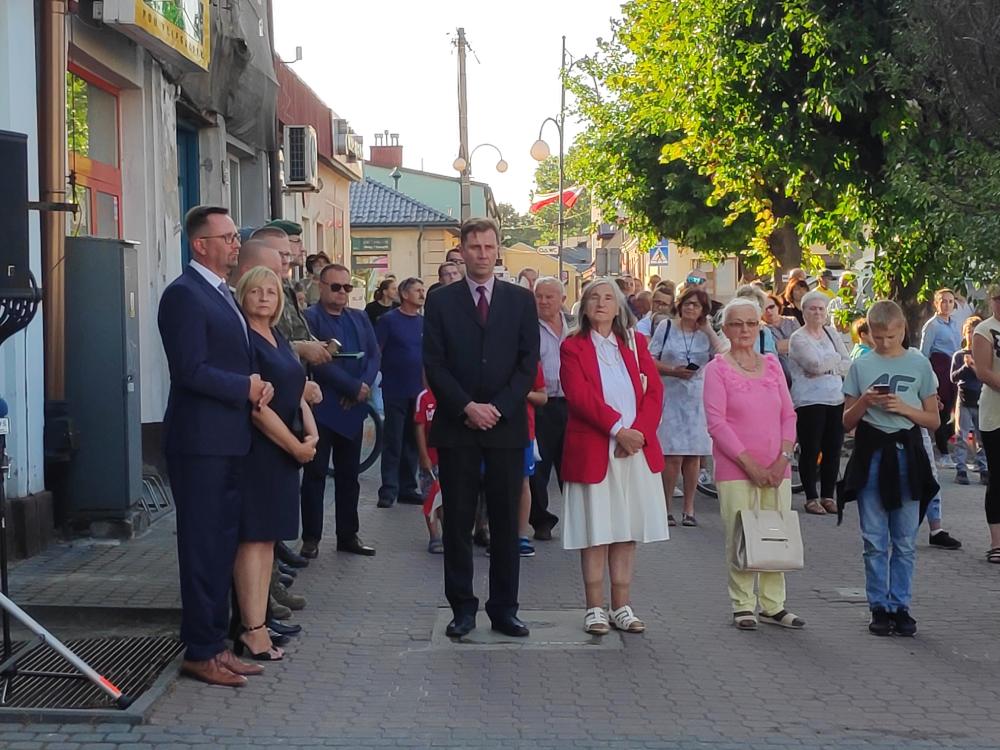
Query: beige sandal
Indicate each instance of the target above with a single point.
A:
(595, 621)
(624, 619)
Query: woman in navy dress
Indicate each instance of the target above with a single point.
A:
(270, 509)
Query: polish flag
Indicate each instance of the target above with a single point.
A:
(569, 198)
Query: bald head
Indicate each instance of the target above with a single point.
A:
(255, 253)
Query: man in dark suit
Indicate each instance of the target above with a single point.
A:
(346, 385)
(481, 358)
(213, 387)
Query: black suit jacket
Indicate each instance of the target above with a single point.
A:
(466, 361)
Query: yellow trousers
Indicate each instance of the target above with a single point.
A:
(736, 495)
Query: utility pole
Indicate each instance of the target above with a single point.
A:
(562, 129)
(463, 127)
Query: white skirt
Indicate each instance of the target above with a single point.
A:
(628, 506)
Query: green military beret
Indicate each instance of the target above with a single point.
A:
(286, 226)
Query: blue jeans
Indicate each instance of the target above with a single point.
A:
(934, 509)
(888, 577)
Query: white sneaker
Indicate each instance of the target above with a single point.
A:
(703, 477)
(945, 462)
(678, 492)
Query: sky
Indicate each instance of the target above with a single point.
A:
(392, 65)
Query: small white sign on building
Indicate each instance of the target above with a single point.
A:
(548, 250)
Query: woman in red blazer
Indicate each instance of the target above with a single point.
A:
(611, 459)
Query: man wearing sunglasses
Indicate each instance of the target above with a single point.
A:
(346, 385)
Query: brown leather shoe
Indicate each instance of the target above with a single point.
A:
(213, 672)
(235, 665)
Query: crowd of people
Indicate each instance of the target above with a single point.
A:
(487, 386)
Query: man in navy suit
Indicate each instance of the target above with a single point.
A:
(346, 385)
(481, 359)
(213, 387)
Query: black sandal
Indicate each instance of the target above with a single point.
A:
(993, 555)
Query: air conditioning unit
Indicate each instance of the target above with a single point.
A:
(607, 231)
(301, 159)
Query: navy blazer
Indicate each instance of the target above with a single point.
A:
(466, 361)
(210, 365)
(343, 377)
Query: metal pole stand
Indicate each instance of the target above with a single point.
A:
(16, 311)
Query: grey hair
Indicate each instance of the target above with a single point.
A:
(551, 280)
(404, 286)
(754, 293)
(736, 302)
(623, 321)
(814, 296)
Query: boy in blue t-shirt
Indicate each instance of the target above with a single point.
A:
(890, 394)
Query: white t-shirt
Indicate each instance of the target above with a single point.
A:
(989, 401)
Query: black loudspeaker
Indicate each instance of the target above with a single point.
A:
(13, 212)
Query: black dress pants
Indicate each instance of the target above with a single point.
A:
(550, 431)
(347, 489)
(820, 428)
(500, 471)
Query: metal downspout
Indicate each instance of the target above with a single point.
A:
(52, 188)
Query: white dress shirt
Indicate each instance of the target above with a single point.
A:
(616, 383)
(210, 276)
(487, 285)
(548, 349)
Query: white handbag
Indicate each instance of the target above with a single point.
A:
(767, 541)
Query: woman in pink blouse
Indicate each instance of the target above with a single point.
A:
(752, 423)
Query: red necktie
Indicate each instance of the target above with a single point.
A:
(482, 307)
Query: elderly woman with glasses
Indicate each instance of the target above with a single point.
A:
(681, 348)
(612, 458)
(752, 423)
(818, 362)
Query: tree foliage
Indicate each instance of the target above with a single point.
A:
(759, 127)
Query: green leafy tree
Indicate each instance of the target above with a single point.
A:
(776, 105)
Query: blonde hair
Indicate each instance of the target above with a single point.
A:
(884, 313)
(255, 278)
(623, 321)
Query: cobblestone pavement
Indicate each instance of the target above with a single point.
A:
(367, 674)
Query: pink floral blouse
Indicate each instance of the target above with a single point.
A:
(746, 414)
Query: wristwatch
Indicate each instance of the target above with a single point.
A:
(788, 456)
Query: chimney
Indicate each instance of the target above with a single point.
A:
(386, 152)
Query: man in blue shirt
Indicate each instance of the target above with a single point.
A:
(400, 335)
(340, 416)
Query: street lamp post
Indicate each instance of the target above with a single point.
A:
(463, 166)
(540, 149)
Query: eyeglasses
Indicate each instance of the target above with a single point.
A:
(229, 238)
(337, 287)
(695, 280)
(750, 324)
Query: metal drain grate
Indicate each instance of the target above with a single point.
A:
(130, 663)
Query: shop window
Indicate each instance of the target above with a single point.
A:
(92, 139)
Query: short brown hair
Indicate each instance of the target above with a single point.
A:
(470, 226)
(197, 218)
(700, 297)
(885, 312)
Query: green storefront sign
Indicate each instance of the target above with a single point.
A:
(371, 244)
